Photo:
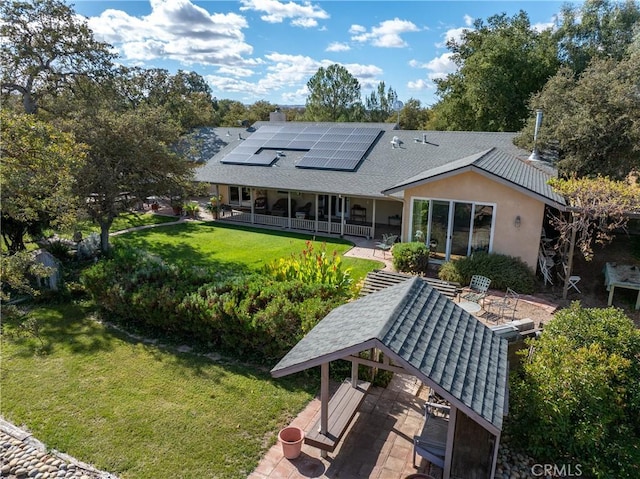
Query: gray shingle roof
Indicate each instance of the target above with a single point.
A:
(383, 166)
(424, 331)
(495, 163)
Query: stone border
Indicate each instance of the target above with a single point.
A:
(23, 456)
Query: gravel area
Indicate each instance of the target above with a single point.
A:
(22, 456)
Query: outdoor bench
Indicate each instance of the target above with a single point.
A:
(343, 406)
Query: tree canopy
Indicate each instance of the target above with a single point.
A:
(596, 29)
(577, 397)
(592, 122)
(334, 94)
(379, 103)
(39, 164)
(45, 45)
(130, 158)
(500, 64)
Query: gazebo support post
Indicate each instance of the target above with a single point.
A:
(448, 455)
(354, 374)
(324, 402)
(496, 446)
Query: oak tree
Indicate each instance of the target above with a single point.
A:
(500, 64)
(39, 163)
(45, 46)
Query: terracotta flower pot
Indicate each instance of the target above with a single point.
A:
(291, 439)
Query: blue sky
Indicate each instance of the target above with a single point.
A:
(252, 50)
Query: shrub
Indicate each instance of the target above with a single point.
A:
(60, 250)
(312, 267)
(410, 257)
(577, 398)
(253, 317)
(504, 271)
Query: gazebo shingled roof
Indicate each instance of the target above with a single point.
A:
(424, 332)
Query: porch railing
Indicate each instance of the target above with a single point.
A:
(300, 224)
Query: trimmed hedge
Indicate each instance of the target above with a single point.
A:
(410, 257)
(252, 317)
(504, 271)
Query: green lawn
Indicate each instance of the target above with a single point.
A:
(140, 411)
(238, 247)
(143, 411)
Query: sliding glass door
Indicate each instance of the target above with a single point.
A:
(452, 229)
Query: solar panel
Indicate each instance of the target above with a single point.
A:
(347, 155)
(315, 129)
(269, 129)
(264, 158)
(327, 147)
(340, 130)
(300, 145)
(341, 164)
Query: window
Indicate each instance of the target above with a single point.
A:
(239, 195)
(452, 228)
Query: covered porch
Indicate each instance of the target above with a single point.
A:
(333, 214)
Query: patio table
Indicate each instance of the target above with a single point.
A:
(621, 276)
(470, 306)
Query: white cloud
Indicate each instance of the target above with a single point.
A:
(386, 34)
(176, 30)
(454, 34)
(287, 75)
(420, 85)
(468, 20)
(542, 26)
(338, 47)
(235, 71)
(303, 15)
(438, 67)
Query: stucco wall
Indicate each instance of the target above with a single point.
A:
(522, 242)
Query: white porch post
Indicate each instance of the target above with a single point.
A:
(324, 402)
(252, 205)
(373, 220)
(289, 209)
(329, 212)
(316, 214)
(344, 201)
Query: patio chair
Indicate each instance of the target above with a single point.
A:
(305, 210)
(477, 289)
(281, 207)
(508, 304)
(386, 244)
(260, 205)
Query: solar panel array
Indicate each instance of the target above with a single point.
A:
(328, 148)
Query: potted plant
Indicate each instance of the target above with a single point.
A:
(291, 439)
(191, 209)
(214, 206)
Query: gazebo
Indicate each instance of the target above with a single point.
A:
(420, 332)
